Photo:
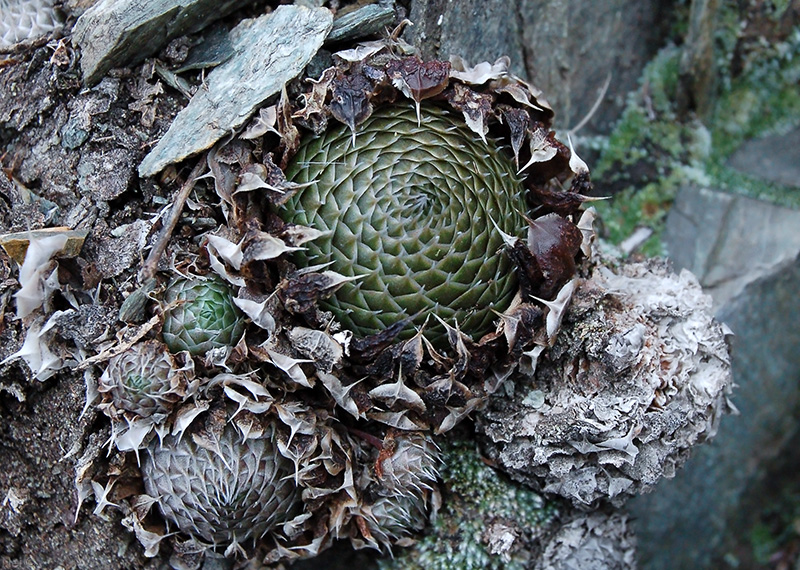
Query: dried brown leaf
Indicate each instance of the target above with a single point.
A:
(554, 242)
(419, 80)
(263, 124)
(476, 107)
(350, 98)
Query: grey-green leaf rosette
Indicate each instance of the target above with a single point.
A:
(409, 209)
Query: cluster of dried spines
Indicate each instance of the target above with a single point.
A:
(200, 315)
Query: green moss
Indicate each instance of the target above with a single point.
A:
(653, 151)
(474, 496)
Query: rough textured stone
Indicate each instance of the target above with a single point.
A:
(105, 174)
(114, 32)
(270, 51)
(370, 19)
(638, 376)
(566, 48)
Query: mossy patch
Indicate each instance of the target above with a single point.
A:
(654, 150)
(475, 496)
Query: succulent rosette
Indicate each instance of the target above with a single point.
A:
(410, 210)
(402, 488)
(222, 484)
(200, 315)
(144, 381)
(141, 387)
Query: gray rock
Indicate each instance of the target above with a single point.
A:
(121, 32)
(727, 240)
(567, 48)
(270, 51)
(775, 158)
(105, 174)
(370, 19)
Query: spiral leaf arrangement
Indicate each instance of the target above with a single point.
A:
(219, 485)
(200, 316)
(409, 209)
(143, 381)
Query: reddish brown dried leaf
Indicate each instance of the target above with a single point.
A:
(562, 203)
(529, 274)
(315, 100)
(477, 107)
(419, 80)
(301, 293)
(368, 348)
(554, 242)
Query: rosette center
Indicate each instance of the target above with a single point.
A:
(409, 210)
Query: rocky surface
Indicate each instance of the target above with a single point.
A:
(773, 158)
(115, 33)
(569, 49)
(729, 240)
(747, 254)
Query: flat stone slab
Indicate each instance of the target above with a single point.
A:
(775, 158)
(728, 240)
(119, 32)
(269, 51)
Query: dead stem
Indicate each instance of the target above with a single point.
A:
(150, 265)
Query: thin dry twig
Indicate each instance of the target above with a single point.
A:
(150, 265)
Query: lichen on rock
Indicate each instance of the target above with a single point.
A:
(639, 375)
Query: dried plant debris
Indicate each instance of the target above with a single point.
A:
(362, 259)
(639, 375)
(590, 540)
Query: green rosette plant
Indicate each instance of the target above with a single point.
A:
(410, 209)
(143, 381)
(200, 315)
